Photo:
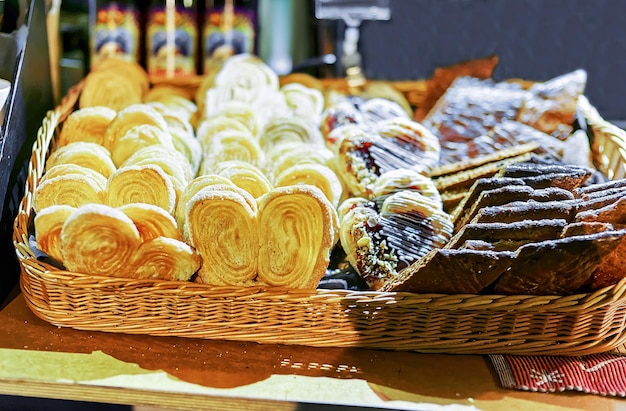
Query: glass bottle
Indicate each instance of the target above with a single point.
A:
(171, 34)
(114, 30)
(229, 27)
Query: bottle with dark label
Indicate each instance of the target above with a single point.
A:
(114, 30)
(171, 33)
(229, 27)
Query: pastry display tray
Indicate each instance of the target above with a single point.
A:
(457, 324)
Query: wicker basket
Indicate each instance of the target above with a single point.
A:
(477, 324)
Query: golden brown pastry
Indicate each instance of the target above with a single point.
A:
(141, 184)
(285, 155)
(109, 89)
(244, 113)
(244, 175)
(212, 126)
(223, 227)
(127, 69)
(86, 154)
(317, 175)
(99, 240)
(136, 138)
(231, 145)
(297, 230)
(165, 258)
(281, 130)
(190, 190)
(160, 92)
(131, 116)
(71, 168)
(72, 189)
(87, 124)
(152, 221)
(171, 161)
(304, 102)
(188, 145)
(48, 223)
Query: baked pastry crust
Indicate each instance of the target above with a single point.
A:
(99, 240)
(141, 184)
(297, 230)
(87, 124)
(48, 224)
(222, 225)
(152, 221)
(165, 258)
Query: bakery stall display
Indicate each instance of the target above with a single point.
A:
(258, 198)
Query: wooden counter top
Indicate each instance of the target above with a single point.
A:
(41, 360)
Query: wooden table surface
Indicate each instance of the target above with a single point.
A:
(41, 360)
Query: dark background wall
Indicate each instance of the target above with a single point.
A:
(534, 39)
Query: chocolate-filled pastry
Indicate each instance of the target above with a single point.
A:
(381, 240)
(447, 271)
(397, 144)
(556, 267)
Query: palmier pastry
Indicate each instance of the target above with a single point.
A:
(245, 175)
(71, 168)
(304, 102)
(131, 116)
(152, 221)
(229, 146)
(72, 189)
(109, 89)
(171, 161)
(99, 240)
(188, 145)
(48, 223)
(380, 241)
(246, 79)
(285, 155)
(165, 258)
(190, 190)
(317, 175)
(141, 184)
(161, 92)
(89, 155)
(87, 124)
(243, 113)
(223, 227)
(297, 230)
(281, 130)
(127, 69)
(136, 138)
(213, 126)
